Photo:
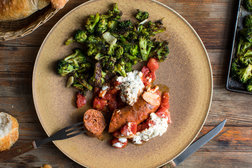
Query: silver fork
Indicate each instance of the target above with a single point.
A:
(65, 133)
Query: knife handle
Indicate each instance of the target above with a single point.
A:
(9, 154)
(171, 164)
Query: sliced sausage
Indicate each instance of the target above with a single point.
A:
(136, 113)
(94, 122)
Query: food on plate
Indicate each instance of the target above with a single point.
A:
(137, 113)
(8, 131)
(241, 68)
(126, 100)
(19, 9)
(131, 87)
(81, 100)
(248, 21)
(248, 5)
(94, 122)
(110, 47)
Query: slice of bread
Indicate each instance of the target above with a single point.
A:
(8, 131)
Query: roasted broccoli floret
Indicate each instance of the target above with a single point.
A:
(64, 68)
(132, 58)
(119, 51)
(134, 50)
(92, 50)
(115, 13)
(141, 15)
(108, 63)
(80, 36)
(248, 21)
(246, 60)
(161, 50)
(248, 4)
(111, 48)
(69, 41)
(102, 25)
(120, 68)
(156, 27)
(112, 25)
(145, 46)
(124, 26)
(84, 67)
(247, 34)
(92, 22)
(128, 67)
(249, 85)
(243, 46)
(76, 58)
(71, 63)
(243, 74)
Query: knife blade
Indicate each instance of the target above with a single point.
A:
(196, 145)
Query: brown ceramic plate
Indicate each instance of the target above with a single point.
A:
(187, 72)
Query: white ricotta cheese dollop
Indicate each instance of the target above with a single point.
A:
(158, 129)
(131, 87)
(5, 124)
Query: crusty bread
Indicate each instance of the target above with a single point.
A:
(58, 4)
(19, 9)
(9, 131)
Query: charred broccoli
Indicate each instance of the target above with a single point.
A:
(249, 85)
(248, 21)
(247, 34)
(248, 5)
(102, 25)
(244, 74)
(141, 15)
(91, 22)
(120, 68)
(145, 46)
(161, 50)
(71, 63)
(64, 68)
(243, 46)
(80, 36)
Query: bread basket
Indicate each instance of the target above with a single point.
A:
(10, 30)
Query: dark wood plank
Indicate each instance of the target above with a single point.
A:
(218, 160)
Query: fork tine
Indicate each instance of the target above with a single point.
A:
(72, 135)
(72, 126)
(73, 130)
(64, 130)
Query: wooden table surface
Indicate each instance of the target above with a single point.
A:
(214, 22)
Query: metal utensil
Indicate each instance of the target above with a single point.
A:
(196, 145)
(65, 133)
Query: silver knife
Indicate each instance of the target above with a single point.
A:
(196, 145)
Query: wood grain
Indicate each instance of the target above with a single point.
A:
(212, 19)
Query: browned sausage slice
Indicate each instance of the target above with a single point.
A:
(94, 121)
(137, 113)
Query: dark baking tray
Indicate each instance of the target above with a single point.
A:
(231, 84)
